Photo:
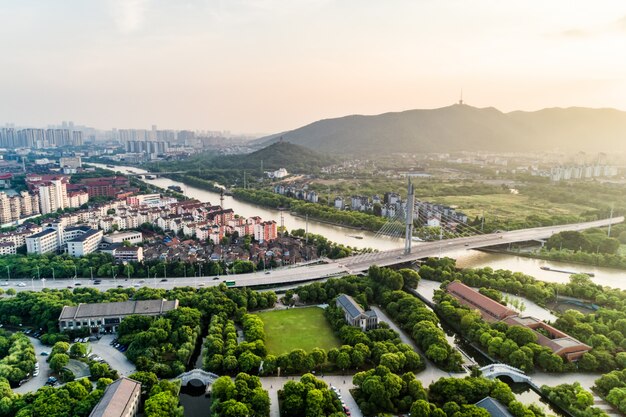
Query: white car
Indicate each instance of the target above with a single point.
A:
(5, 283)
(36, 373)
(21, 284)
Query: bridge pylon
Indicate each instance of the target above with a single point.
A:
(410, 203)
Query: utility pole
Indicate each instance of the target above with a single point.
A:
(306, 231)
(244, 180)
(410, 202)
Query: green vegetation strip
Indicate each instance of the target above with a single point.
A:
(297, 328)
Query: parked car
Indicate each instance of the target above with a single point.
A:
(44, 353)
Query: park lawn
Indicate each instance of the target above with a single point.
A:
(297, 328)
(515, 207)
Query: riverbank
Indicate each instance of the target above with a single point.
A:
(591, 259)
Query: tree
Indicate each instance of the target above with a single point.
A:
(78, 350)
(163, 404)
(59, 361)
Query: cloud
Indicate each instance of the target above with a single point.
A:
(575, 33)
(129, 14)
(616, 26)
(620, 24)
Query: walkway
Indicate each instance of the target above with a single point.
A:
(39, 381)
(432, 372)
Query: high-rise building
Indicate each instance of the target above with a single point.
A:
(53, 196)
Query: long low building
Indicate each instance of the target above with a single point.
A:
(490, 310)
(105, 317)
(120, 399)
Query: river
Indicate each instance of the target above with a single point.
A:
(337, 234)
(615, 278)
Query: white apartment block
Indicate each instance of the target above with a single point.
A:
(8, 248)
(132, 237)
(52, 196)
(43, 242)
(84, 244)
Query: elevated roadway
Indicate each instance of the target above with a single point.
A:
(288, 276)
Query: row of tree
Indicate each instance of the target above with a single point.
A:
(18, 357)
(573, 398)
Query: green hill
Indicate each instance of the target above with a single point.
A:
(464, 128)
(280, 154)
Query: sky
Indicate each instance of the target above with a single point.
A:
(265, 66)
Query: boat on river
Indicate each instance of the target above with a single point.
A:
(563, 271)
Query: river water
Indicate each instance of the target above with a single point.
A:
(337, 234)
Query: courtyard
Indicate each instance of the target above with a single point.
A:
(297, 328)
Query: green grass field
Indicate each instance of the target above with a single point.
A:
(510, 207)
(297, 328)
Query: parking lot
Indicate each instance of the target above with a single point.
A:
(38, 381)
(116, 359)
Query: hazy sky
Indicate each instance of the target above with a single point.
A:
(271, 65)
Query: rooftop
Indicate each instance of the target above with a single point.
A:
(123, 308)
(494, 407)
(43, 233)
(352, 307)
(117, 399)
(86, 235)
(491, 310)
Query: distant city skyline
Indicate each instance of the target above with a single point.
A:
(265, 66)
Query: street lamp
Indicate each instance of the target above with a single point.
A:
(91, 269)
(53, 277)
(8, 273)
(165, 270)
(38, 274)
(76, 272)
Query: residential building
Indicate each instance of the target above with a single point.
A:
(339, 203)
(72, 162)
(105, 317)
(265, 231)
(120, 399)
(52, 196)
(43, 242)
(77, 198)
(105, 186)
(15, 207)
(84, 244)
(130, 236)
(127, 254)
(8, 248)
(5, 180)
(355, 315)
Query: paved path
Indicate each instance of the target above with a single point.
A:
(44, 369)
(116, 359)
(432, 372)
(343, 383)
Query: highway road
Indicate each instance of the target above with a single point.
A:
(309, 272)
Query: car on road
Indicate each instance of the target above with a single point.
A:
(77, 284)
(216, 278)
(200, 285)
(5, 283)
(120, 286)
(267, 272)
(163, 279)
(21, 284)
(136, 285)
(45, 353)
(70, 286)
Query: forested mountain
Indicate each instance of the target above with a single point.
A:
(464, 128)
(280, 154)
